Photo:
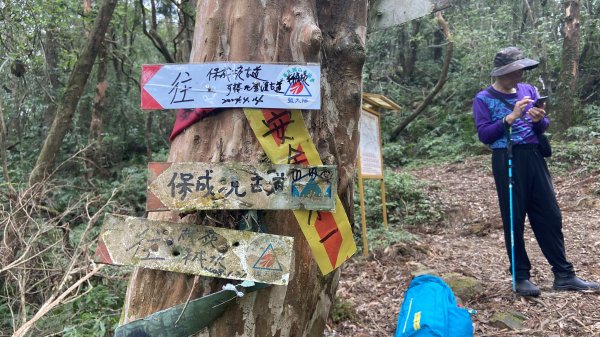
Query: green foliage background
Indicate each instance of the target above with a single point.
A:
(82, 185)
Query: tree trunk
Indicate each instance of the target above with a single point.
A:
(413, 46)
(438, 86)
(99, 106)
(568, 100)
(517, 21)
(539, 41)
(52, 75)
(332, 33)
(73, 91)
(3, 152)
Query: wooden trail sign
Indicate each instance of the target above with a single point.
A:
(201, 186)
(194, 249)
(285, 139)
(227, 84)
(388, 13)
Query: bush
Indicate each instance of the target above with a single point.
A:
(406, 205)
(343, 311)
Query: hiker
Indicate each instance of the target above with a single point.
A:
(507, 108)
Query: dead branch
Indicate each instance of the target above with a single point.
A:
(52, 302)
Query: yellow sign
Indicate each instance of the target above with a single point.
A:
(285, 139)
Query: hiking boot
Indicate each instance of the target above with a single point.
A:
(526, 288)
(573, 283)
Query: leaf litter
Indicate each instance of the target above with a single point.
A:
(470, 242)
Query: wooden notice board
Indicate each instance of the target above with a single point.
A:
(370, 157)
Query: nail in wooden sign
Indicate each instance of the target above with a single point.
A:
(194, 249)
(189, 187)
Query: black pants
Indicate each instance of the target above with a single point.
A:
(533, 195)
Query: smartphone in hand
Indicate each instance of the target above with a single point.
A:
(540, 101)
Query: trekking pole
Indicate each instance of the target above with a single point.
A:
(510, 205)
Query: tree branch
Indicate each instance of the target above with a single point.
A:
(52, 302)
(440, 83)
(153, 35)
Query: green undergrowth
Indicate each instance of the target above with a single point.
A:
(406, 204)
(343, 311)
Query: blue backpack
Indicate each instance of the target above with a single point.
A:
(429, 309)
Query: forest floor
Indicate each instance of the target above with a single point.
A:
(470, 242)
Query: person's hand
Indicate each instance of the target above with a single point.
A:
(536, 114)
(518, 110)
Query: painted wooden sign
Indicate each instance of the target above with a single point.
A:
(226, 84)
(194, 249)
(186, 319)
(388, 13)
(329, 234)
(200, 186)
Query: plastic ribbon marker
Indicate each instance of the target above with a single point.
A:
(285, 139)
(188, 318)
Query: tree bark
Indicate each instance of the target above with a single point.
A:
(332, 33)
(99, 106)
(3, 152)
(52, 75)
(413, 46)
(568, 99)
(73, 91)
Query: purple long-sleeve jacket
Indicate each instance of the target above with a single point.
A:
(488, 112)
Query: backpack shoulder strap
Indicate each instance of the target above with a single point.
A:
(501, 99)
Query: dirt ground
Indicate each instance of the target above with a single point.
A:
(470, 242)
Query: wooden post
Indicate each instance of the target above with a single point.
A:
(385, 222)
(363, 216)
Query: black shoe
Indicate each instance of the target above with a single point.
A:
(526, 288)
(573, 283)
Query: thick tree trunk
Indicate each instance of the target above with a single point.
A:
(568, 100)
(331, 33)
(73, 91)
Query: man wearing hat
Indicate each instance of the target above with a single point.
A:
(508, 122)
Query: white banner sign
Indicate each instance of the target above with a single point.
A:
(371, 164)
(225, 84)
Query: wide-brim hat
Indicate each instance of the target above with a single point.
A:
(511, 59)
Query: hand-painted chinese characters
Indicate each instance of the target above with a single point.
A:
(193, 249)
(285, 139)
(197, 186)
(218, 85)
(180, 88)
